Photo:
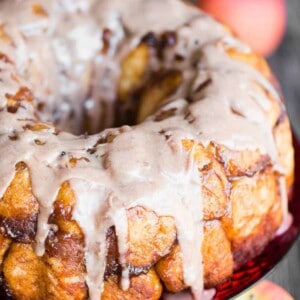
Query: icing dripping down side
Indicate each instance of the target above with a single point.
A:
(145, 165)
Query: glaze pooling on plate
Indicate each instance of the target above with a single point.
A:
(57, 53)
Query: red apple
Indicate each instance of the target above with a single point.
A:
(266, 290)
(259, 23)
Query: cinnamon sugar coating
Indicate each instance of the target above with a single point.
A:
(195, 185)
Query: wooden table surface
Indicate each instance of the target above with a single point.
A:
(286, 65)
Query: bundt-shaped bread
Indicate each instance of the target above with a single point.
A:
(195, 185)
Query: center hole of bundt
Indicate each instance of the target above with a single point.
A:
(143, 84)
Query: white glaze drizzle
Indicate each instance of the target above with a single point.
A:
(146, 164)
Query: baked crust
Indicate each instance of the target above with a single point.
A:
(240, 191)
(242, 211)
